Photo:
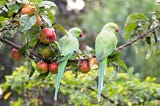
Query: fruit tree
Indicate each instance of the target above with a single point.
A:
(51, 58)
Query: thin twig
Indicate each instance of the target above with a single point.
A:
(105, 97)
(108, 99)
(11, 43)
(136, 39)
(39, 56)
(14, 45)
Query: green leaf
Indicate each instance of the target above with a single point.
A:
(2, 19)
(129, 29)
(13, 9)
(43, 76)
(32, 70)
(36, 1)
(47, 4)
(148, 54)
(33, 42)
(27, 22)
(47, 20)
(135, 17)
(55, 44)
(50, 15)
(59, 27)
(114, 56)
(34, 65)
(2, 2)
(23, 49)
(121, 63)
(48, 12)
(132, 22)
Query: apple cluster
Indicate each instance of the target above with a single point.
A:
(46, 37)
(43, 67)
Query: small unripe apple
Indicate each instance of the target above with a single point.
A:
(44, 50)
(53, 67)
(47, 35)
(83, 66)
(39, 21)
(28, 9)
(15, 54)
(93, 63)
(42, 67)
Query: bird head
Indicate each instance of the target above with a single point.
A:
(111, 27)
(76, 32)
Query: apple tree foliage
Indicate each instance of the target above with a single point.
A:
(122, 86)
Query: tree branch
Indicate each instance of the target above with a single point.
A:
(108, 99)
(14, 45)
(105, 97)
(136, 39)
(7, 41)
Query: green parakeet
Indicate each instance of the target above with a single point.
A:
(105, 44)
(68, 45)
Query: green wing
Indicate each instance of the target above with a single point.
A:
(68, 44)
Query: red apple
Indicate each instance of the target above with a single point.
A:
(83, 66)
(93, 63)
(15, 54)
(42, 67)
(53, 67)
(47, 35)
(28, 9)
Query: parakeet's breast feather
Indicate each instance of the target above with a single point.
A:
(105, 44)
(68, 44)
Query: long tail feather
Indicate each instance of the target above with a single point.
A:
(61, 68)
(102, 67)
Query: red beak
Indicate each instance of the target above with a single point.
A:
(117, 30)
(80, 35)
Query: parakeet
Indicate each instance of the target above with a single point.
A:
(105, 44)
(68, 45)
